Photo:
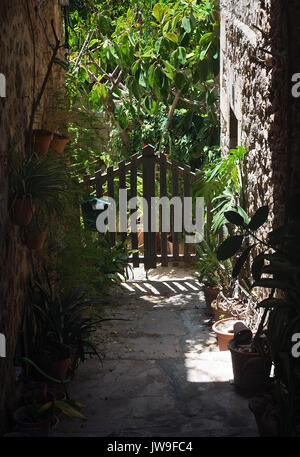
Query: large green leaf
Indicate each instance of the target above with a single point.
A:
(172, 37)
(181, 55)
(259, 218)
(149, 104)
(257, 266)
(270, 283)
(272, 302)
(230, 247)
(241, 261)
(180, 80)
(158, 12)
(234, 218)
(186, 24)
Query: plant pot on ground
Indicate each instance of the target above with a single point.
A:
(171, 246)
(58, 144)
(214, 275)
(224, 331)
(251, 371)
(210, 294)
(278, 257)
(40, 419)
(35, 420)
(41, 140)
(64, 328)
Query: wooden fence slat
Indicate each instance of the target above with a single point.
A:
(99, 184)
(122, 185)
(111, 193)
(175, 194)
(187, 193)
(163, 193)
(133, 193)
(149, 161)
(148, 192)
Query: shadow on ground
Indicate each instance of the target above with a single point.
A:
(162, 374)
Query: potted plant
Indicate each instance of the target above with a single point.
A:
(214, 275)
(38, 419)
(58, 144)
(275, 270)
(64, 329)
(41, 140)
(35, 181)
(224, 331)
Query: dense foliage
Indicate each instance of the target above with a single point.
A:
(151, 68)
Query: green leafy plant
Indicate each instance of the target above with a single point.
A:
(275, 271)
(138, 59)
(64, 323)
(220, 183)
(42, 180)
(34, 412)
(211, 271)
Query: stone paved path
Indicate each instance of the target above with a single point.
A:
(162, 374)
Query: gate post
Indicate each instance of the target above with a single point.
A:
(148, 193)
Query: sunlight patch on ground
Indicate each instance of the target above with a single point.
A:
(152, 288)
(213, 366)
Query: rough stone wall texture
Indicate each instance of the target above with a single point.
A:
(259, 55)
(253, 87)
(24, 57)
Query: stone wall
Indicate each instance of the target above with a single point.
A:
(254, 96)
(24, 58)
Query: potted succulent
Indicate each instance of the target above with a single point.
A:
(275, 270)
(64, 329)
(214, 275)
(35, 181)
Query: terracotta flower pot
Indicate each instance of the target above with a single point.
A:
(58, 144)
(36, 242)
(22, 211)
(60, 368)
(224, 331)
(210, 294)
(41, 140)
(41, 428)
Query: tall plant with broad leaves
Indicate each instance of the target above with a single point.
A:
(220, 183)
(275, 270)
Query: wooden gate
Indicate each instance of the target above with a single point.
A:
(158, 247)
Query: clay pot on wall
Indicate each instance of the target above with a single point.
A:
(22, 211)
(58, 144)
(41, 140)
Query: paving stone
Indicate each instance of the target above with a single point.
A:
(162, 374)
